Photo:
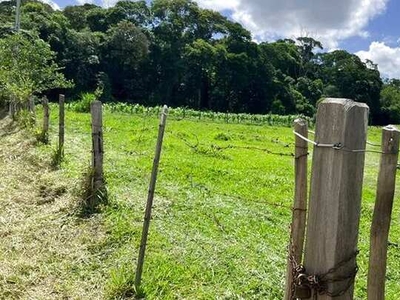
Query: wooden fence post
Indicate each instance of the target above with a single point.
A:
(335, 198)
(46, 120)
(97, 145)
(147, 215)
(382, 213)
(12, 108)
(46, 115)
(61, 126)
(298, 226)
(31, 104)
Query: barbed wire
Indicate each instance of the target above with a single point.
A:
(368, 142)
(373, 145)
(340, 146)
(214, 148)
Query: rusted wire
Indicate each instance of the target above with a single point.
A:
(318, 283)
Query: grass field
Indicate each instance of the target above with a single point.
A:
(220, 220)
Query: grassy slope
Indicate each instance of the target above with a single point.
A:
(220, 224)
(44, 249)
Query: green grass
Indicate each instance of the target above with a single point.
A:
(221, 213)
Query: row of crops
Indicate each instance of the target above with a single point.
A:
(187, 113)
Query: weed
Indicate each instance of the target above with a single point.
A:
(57, 157)
(41, 136)
(83, 104)
(121, 284)
(222, 137)
(25, 118)
(91, 198)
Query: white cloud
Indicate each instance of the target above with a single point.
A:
(54, 5)
(327, 20)
(81, 2)
(107, 3)
(387, 58)
(219, 4)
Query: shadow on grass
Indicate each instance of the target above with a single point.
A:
(8, 125)
(3, 113)
(91, 198)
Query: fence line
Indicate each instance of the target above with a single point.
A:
(347, 262)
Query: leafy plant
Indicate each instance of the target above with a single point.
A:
(27, 67)
(57, 157)
(41, 136)
(83, 105)
(91, 199)
(26, 119)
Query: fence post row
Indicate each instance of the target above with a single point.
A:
(382, 213)
(97, 145)
(297, 228)
(335, 198)
(61, 127)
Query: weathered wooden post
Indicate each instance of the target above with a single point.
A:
(46, 119)
(46, 115)
(298, 226)
(335, 198)
(150, 196)
(31, 104)
(12, 108)
(31, 109)
(61, 126)
(97, 146)
(382, 213)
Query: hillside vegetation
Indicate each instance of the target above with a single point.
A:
(221, 214)
(179, 54)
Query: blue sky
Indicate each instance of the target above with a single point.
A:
(368, 28)
(385, 28)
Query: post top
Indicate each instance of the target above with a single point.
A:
(345, 102)
(391, 128)
(300, 122)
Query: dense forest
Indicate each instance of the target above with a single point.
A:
(174, 52)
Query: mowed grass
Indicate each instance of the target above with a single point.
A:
(221, 214)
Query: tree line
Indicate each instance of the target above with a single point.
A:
(174, 52)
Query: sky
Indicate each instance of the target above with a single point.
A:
(368, 28)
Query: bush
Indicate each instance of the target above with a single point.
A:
(83, 105)
(25, 118)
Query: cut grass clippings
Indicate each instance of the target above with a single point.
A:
(44, 250)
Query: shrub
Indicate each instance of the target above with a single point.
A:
(83, 105)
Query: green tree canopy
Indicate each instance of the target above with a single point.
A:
(177, 53)
(27, 67)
